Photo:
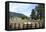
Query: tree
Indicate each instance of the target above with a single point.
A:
(41, 10)
(33, 14)
(24, 17)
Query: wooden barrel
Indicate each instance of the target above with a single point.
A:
(21, 25)
(37, 25)
(33, 24)
(17, 25)
(40, 24)
(12, 25)
(25, 25)
(29, 25)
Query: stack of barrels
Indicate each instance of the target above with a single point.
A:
(25, 25)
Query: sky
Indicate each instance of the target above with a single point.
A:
(22, 8)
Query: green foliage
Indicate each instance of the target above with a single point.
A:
(33, 14)
(23, 17)
(40, 11)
